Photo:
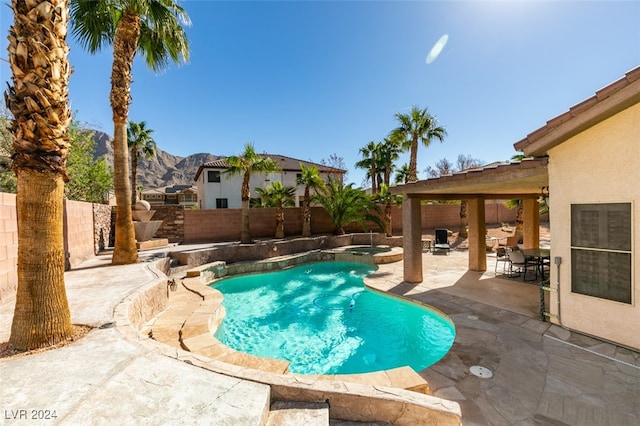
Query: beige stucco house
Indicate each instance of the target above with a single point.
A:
(586, 159)
(594, 198)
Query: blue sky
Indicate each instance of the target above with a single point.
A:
(308, 79)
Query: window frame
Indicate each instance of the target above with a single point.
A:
(222, 203)
(213, 173)
(602, 249)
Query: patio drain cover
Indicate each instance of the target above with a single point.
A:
(481, 372)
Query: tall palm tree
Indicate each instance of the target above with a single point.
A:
(417, 126)
(310, 178)
(245, 164)
(369, 162)
(344, 204)
(39, 101)
(153, 28)
(279, 196)
(141, 145)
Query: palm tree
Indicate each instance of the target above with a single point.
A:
(402, 174)
(245, 164)
(417, 125)
(38, 100)
(310, 178)
(141, 145)
(344, 204)
(153, 28)
(388, 153)
(369, 162)
(386, 198)
(279, 196)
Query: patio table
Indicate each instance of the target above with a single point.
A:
(538, 255)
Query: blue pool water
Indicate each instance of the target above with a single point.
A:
(320, 318)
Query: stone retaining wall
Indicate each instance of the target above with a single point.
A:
(101, 226)
(172, 218)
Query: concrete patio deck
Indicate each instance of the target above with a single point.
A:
(541, 374)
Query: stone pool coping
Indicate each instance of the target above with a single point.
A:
(348, 400)
(197, 335)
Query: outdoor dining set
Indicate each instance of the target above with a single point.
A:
(517, 262)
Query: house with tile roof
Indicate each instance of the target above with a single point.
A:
(593, 150)
(218, 190)
(186, 195)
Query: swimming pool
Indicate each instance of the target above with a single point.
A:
(321, 318)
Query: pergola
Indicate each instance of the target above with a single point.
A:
(525, 180)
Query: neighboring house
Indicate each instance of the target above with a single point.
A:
(185, 195)
(594, 200)
(219, 190)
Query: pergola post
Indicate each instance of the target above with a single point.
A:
(412, 239)
(477, 235)
(530, 223)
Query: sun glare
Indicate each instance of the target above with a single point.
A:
(437, 49)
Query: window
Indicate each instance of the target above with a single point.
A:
(601, 250)
(298, 177)
(222, 203)
(188, 198)
(213, 176)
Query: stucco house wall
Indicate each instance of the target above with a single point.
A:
(598, 165)
(229, 187)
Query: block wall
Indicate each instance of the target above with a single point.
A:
(8, 246)
(224, 224)
(79, 242)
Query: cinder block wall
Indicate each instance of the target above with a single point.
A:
(8, 246)
(79, 244)
(79, 231)
(224, 224)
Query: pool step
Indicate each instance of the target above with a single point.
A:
(298, 413)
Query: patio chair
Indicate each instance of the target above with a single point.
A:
(501, 257)
(512, 241)
(517, 264)
(442, 241)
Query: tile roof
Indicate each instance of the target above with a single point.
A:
(608, 101)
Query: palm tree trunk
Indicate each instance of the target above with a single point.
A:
(387, 219)
(279, 222)
(306, 221)
(374, 176)
(41, 317)
(413, 161)
(38, 100)
(124, 48)
(245, 232)
(306, 214)
(125, 251)
(462, 232)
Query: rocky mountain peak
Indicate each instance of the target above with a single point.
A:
(163, 170)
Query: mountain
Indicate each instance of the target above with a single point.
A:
(163, 170)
